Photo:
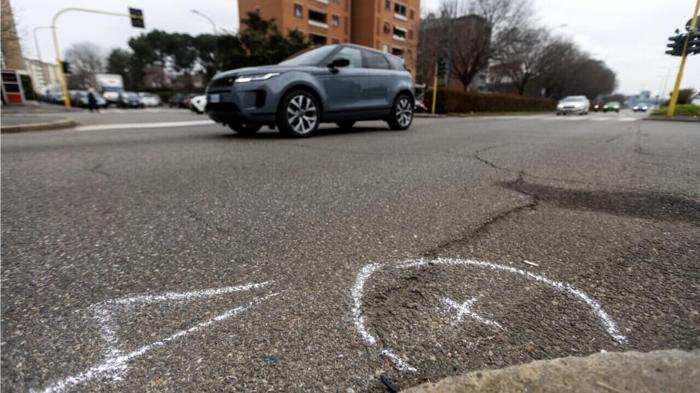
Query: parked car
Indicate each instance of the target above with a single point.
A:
(598, 106)
(174, 101)
(612, 106)
(341, 83)
(573, 104)
(186, 101)
(198, 103)
(80, 98)
(640, 108)
(129, 99)
(149, 99)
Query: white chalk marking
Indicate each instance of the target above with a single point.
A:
(466, 309)
(166, 124)
(401, 364)
(115, 363)
(357, 291)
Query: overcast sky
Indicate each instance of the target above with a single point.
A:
(629, 35)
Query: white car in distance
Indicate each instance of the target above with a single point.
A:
(149, 99)
(573, 104)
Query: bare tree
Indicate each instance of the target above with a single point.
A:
(477, 30)
(520, 59)
(84, 59)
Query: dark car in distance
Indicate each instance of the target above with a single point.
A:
(341, 83)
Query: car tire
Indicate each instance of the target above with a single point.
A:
(245, 129)
(298, 114)
(401, 115)
(345, 125)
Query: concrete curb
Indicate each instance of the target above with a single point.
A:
(657, 371)
(688, 119)
(45, 126)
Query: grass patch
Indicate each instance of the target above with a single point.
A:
(681, 110)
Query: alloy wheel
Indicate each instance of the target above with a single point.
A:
(302, 114)
(404, 112)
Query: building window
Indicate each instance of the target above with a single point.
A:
(387, 28)
(298, 10)
(335, 20)
(412, 14)
(335, 41)
(385, 48)
(399, 33)
(317, 39)
(318, 18)
(400, 11)
(410, 34)
(409, 54)
(387, 5)
(397, 51)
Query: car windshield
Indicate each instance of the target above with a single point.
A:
(574, 99)
(309, 57)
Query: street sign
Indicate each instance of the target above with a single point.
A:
(136, 16)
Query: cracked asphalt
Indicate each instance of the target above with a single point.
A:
(610, 209)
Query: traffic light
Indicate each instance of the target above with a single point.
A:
(694, 43)
(65, 67)
(676, 45)
(442, 68)
(136, 16)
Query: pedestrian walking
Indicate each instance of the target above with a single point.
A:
(92, 101)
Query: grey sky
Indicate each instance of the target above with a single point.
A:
(630, 35)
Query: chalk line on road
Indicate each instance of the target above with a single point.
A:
(115, 362)
(402, 364)
(166, 124)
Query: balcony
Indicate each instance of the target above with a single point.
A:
(400, 34)
(318, 19)
(400, 11)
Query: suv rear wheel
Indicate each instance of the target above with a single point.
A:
(298, 115)
(401, 115)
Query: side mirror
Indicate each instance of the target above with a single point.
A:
(339, 62)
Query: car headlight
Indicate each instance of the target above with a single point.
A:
(255, 78)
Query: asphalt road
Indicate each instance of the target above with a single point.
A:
(186, 258)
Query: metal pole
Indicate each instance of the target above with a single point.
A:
(435, 85)
(61, 75)
(38, 52)
(684, 55)
(216, 33)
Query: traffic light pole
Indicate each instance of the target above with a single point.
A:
(684, 55)
(435, 85)
(61, 74)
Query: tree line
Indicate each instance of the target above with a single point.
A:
(502, 36)
(183, 55)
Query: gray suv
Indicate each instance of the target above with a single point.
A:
(333, 83)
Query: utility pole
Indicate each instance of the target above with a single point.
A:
(684, 55)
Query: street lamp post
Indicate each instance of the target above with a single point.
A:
(38, 51)
(216, 33)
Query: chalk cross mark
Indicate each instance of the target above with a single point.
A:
(465, 309)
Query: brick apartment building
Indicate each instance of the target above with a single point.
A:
(388, 25)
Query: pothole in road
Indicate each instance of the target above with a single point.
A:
(435, 318)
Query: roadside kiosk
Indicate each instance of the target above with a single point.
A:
(12, 91)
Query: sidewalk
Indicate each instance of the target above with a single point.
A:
(658, 371)
(36, 116)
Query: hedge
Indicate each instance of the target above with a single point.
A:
(456, 102)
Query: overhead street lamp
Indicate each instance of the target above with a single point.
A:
(216, 33)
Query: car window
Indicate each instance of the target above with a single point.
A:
(375, 60)
(310, 57)
(352, 54)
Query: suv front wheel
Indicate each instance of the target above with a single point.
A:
(298, 115)
(401, 115)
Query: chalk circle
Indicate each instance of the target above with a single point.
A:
(401, 363)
